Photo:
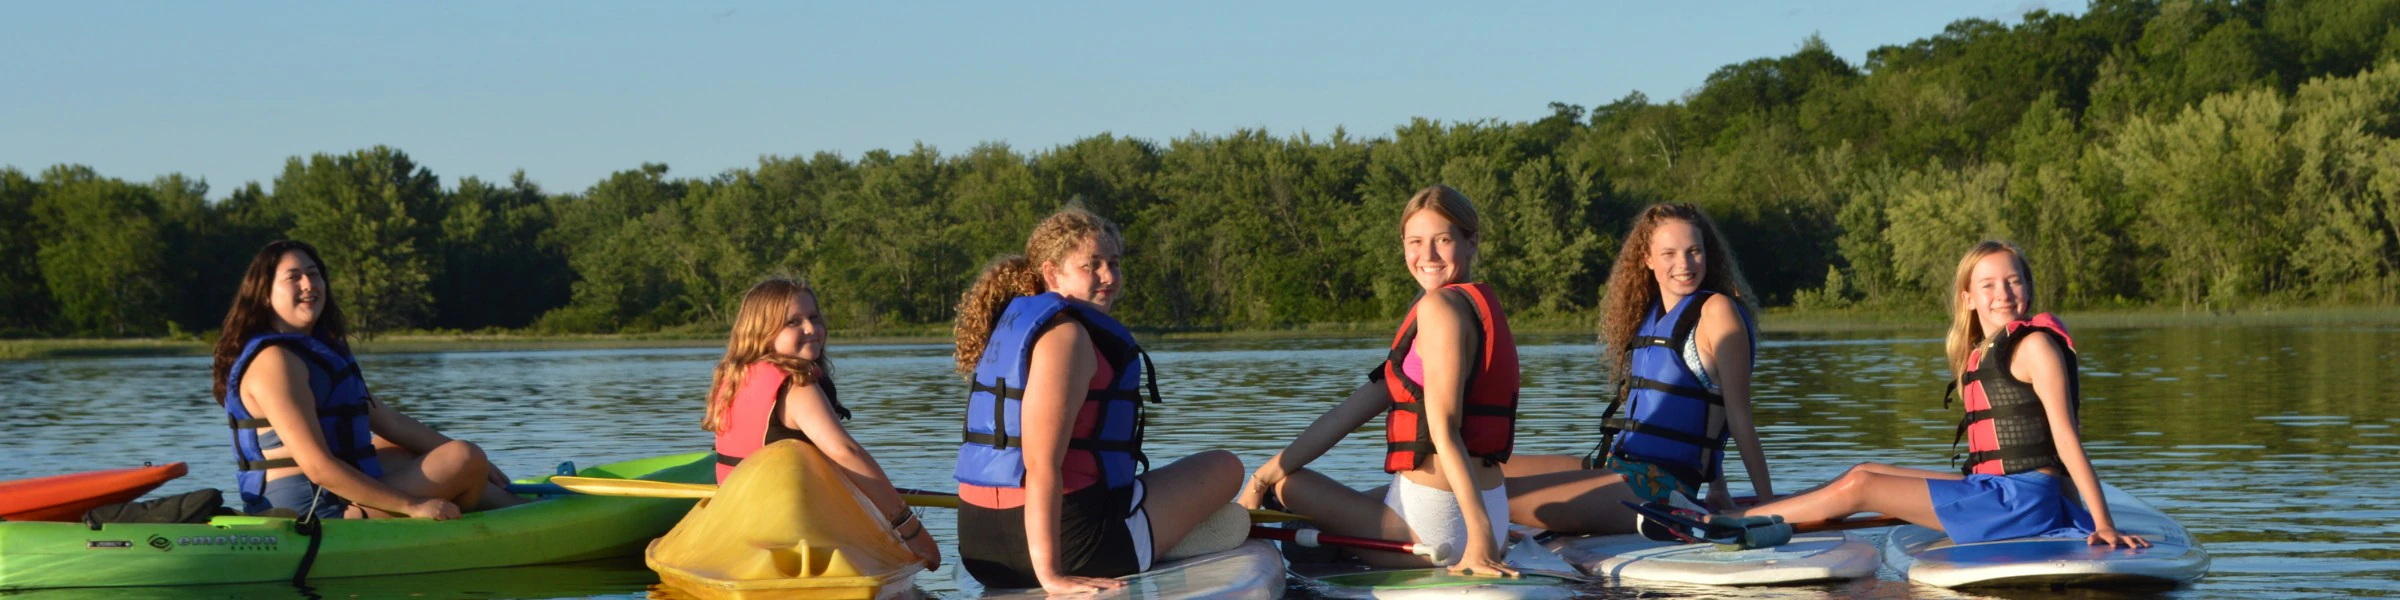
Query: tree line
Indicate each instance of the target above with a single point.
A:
(2217, 154)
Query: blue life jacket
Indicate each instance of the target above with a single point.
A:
(1673, 422)
(341, 401)
(992, 454)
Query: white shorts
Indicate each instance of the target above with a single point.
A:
(1433, 515)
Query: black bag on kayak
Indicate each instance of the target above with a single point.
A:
(188, 507)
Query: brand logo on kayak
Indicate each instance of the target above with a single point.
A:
(235, 542)
(110, 544)
(162, 543)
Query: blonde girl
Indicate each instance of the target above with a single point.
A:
(774, 384)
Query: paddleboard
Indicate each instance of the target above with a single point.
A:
(1253, 570)
(1809, 557)
(1544, 576)
(1928, 556)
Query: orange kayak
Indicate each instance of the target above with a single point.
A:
(66, 497)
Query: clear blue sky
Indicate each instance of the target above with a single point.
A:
(570, 92)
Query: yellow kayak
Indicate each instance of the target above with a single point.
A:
(785, 524)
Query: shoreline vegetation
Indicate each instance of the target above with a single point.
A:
(2233, 157)
(1783, 321)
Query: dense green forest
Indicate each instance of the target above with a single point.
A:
(2217, 154)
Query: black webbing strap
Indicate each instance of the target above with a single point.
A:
(1470, 410)
(1630, 425)
(1141, 414)
(308, 525)
(999, 437)
(340, 412)
(350, 456)
(1000, 391)
(2004, 454)
(1645, 383)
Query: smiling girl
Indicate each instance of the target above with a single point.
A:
(1677, 339)
(307, 435)
(774, 384)
(1050, 475)
(1448, 392)
(2025, 465)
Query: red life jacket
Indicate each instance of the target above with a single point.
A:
(1488, 423)
(2006, 429)
(756, 417)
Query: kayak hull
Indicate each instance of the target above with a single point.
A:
(1929, 557)
(67, 497)
(253, 549)
(787, 523)
(1808, 558)
(1251, 571)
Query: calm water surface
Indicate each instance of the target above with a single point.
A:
(2274, 445)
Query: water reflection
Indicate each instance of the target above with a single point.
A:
(2275, 446)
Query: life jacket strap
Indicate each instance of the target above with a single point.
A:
(1702, 395)
(1424, 448)
(349, 456)
(999, 389)
(1633, 426)
(2012, 453)
(730, 461)
(1005, 441)
(1471, 409)
(2029, 409)
(341, 412)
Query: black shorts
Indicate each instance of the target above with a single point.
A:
(1101, 533)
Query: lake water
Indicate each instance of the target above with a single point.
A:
(2274, 445)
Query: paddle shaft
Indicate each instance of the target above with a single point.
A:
(602, 486)
(950, 500)
(1313, 538)
(1847, 524)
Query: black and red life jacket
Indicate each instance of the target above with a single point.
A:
(1489, 415)
(2006, 429)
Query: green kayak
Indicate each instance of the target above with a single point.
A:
(36, 555)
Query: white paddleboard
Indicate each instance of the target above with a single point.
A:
(1928, 556)
(1253, 570)
(1809, 557)
(1544, 577)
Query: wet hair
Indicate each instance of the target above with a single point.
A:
(1014, 275)
(1633, 287)
(1965, 331)
(755, 325)
(253, 310)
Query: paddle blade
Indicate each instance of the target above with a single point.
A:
(601, 486)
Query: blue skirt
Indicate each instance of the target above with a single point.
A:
(1984, 508)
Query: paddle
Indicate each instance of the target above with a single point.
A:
(1856, 522)
(601, 486)
(1692, 526)
(1313, 538)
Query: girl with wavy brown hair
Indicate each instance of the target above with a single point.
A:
(1677, 340)
(1051, 488)
(307, 434)
(775, 384)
